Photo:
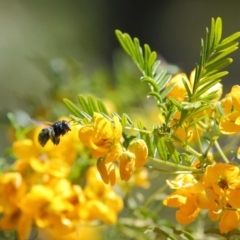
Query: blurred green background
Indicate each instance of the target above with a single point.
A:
(83, 31)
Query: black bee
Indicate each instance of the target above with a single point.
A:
(53, 132)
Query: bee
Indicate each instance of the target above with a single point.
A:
(53, 132)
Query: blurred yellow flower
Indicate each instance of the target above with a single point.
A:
(102, 202)
(230, 124)
(178, 91)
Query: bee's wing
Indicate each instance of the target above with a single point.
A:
(39, 123)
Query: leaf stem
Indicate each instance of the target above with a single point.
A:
(139, 130)
(221, 152)
(170, 164)
(174, 172)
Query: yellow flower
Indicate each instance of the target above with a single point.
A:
(102, 202)
(179, 92)
(83, 231)
(54, 205)
(24, 148)
(222, 182)
(215, 88)
(227, 103)
(185, 201)
(12, 189)
(221, 177)
(103, 137)
(230, 124)
(190, 197)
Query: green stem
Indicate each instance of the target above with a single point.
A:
(170, 164)
(174, 172)
(189, 149)
(221, 152)
(139, 130)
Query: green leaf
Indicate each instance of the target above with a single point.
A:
(148, 140)
(84, 104)
(156, 95)
(167, 90)
(102, 107)
(138, 53)
(186, 234)
(173, 152)
(73, 108)
(196, 120)
(217, 66)
(155, 66)
(225, 46)
(121, 39)
(193, 105)
(218, 31)
(222, 55)
(151, 82)
(124, 120)
(186, 85)
(212, 37)
(159, 76)
(151, 60)
(201, 93)
(164, 81)
(92, 104)
(176, 103)
(231, 38)
(161, 147)
(209, 79)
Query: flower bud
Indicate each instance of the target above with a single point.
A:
(126, 165)
(107, 171)
(140, 150)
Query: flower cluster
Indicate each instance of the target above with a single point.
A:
(104, 138)
(186, 132)
(36, 191)
(218, 191)
(230, 124)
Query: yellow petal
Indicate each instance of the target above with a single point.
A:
(235, 93)
(229, 221)
(107, 171)
(228, 126)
